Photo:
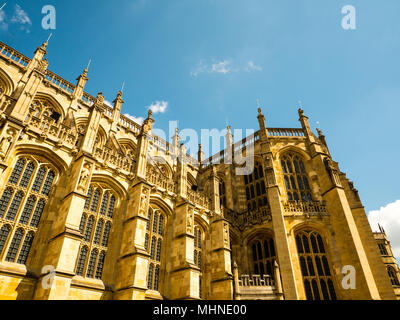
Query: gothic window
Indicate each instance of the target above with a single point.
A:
(154, 231)
(222, 194)
(295, 177)
(382, 249)
(264, 257)
(92, 264)
(4, 232)
(393, 276)
(22, 204)
(198, 240)
(26, 247)
(95, 226)
(256, 192)
(100, 265)
(42, 108)
(81, 261)
(315, 268)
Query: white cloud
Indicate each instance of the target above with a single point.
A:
(223, 67)
(108, 103)
(22, 18)
(200, 68)
(138, 120)
(389, 218)
(158, 107)
(251, 66)
(3, 23)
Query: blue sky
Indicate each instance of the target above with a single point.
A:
(211, 59)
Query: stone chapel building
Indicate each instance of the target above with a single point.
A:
(94, 206)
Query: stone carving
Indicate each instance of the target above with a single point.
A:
(148, 123)
(42, 66)
(333, 172)
(226, 234)
(190, 221)
(100, 99)
(5, 145)
(85, 177)
(143, 202)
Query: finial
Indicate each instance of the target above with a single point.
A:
(3, 5)
(150, 114)
(320, 132)
(88, 65)
(48, 39)
(100, 98)
(123, 86)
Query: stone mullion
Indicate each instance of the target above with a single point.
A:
(184, 269)
(221, 271)
(132, 265)
(65, 239)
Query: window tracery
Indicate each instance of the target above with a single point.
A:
(198, 255)
(256, 193)
(264, 256)
(95, 225)
(295, 177)
(154, 236)
(22, 204)
(315, 268)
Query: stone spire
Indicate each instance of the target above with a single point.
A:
(261, 123)
(117, 106)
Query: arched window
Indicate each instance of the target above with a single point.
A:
(92, 264)
(393, 276)
(81, 261)
(100, 265)
(256, 191)
(4, 232)
(264, 256)
(198, 240)
(22, 203)
(96, 226)
(295, 177)
(154, 231)
(222, 193)
(315, 268)
(382, 249)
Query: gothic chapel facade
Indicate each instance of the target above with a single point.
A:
(84, 214)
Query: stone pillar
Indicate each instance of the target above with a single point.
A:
(65, 238)
(200, 156)
(278, 281)
(182, 172)
(235, 281)
(214, 186)
(277, 213)
(93, 125)
(143, 147)
(348, 234)
(116, 111)
(185, 275)
(221, 269)
(28, 85)
(132, 265)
